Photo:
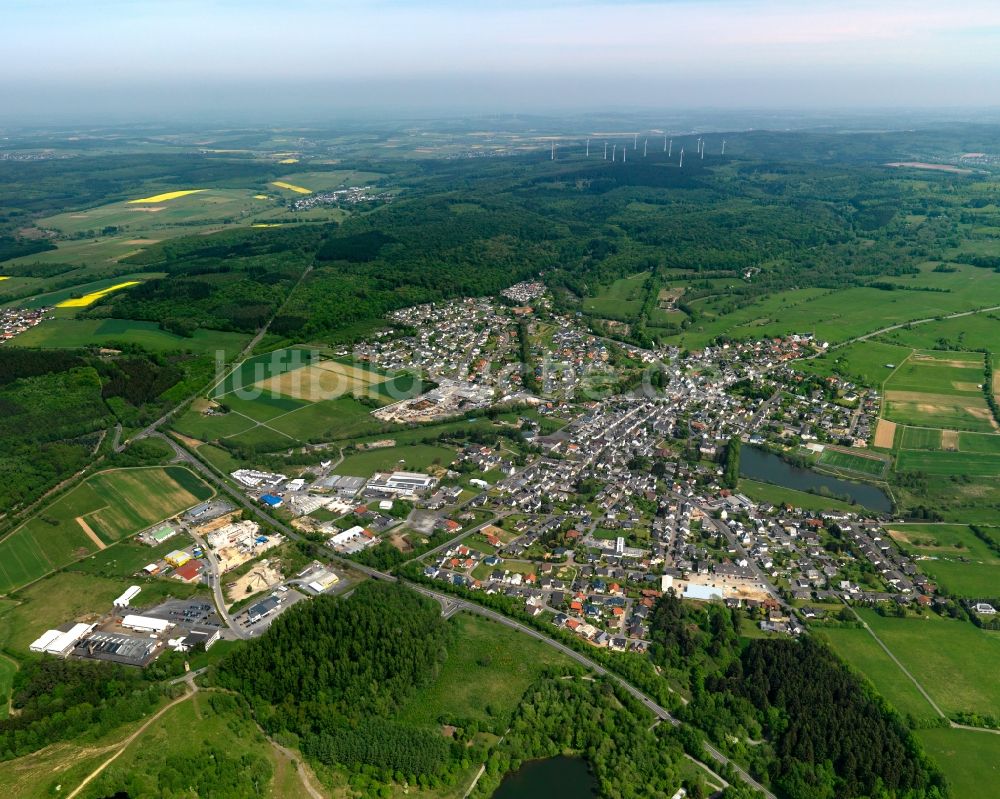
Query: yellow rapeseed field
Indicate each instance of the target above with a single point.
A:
(291, 187)
(170, 195)
(94, 296)
(4, 277)
(267, 224)
(261, 197)
(288, 161)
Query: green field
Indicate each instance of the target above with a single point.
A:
(952, 556)
(949, 463)
(863, 653)
(953, 660)
(974, 332)
(261, 367)
(71, 333)
(767, 492)
(412, 457)
(126, 558)
(866, 362)
(852, 462)
(974, 442)
(920, 438)
(54, 601)
(968, 412)
(839, 315)
(939, 373)
(74, 595)
(487, 671)
(114, 504)
(970, 760)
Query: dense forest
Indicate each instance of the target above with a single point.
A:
(813, 719)
(56, 405)
(60, 700)
(333, 671)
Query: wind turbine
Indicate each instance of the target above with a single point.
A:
(605, 151)
(553, 151)
(614, 149)
(664, 144)
(635, 142)
(723, 146)
(670, 149)
(645, 144)
(624, 150)
(681, 164)
(588, 147)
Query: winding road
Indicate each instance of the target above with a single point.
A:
(451, 605)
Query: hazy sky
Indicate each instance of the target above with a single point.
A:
(311, 57)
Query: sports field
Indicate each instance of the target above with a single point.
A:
(103, 509)
(866, 464)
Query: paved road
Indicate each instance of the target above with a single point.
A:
(451, 605)
(216, 577)
(657, 710)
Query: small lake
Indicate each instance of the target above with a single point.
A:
(759, 464)
(553, 778)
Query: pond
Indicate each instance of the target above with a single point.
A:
(562, 777)
(759, 464)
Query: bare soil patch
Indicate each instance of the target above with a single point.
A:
(885, 433)
(90, 533)
(949, 439)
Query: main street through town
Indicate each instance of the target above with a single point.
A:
(450, 605)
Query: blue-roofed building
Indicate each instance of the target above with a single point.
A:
(271, 500)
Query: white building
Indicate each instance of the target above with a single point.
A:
(128, 596)
(145, 624)
(57, 642)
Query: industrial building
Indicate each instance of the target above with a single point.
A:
(128, 596)
(129, 650)
(146, 624)
(263, 608)
(323, 581)
(400, 483)
(178, 558)
(352, 540)
(59, 642)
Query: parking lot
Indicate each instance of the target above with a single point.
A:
(195, 612)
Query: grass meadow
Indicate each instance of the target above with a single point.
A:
(953, 660)
(489, 667)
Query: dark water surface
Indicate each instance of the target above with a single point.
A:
(554, 778)
(759, 464)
